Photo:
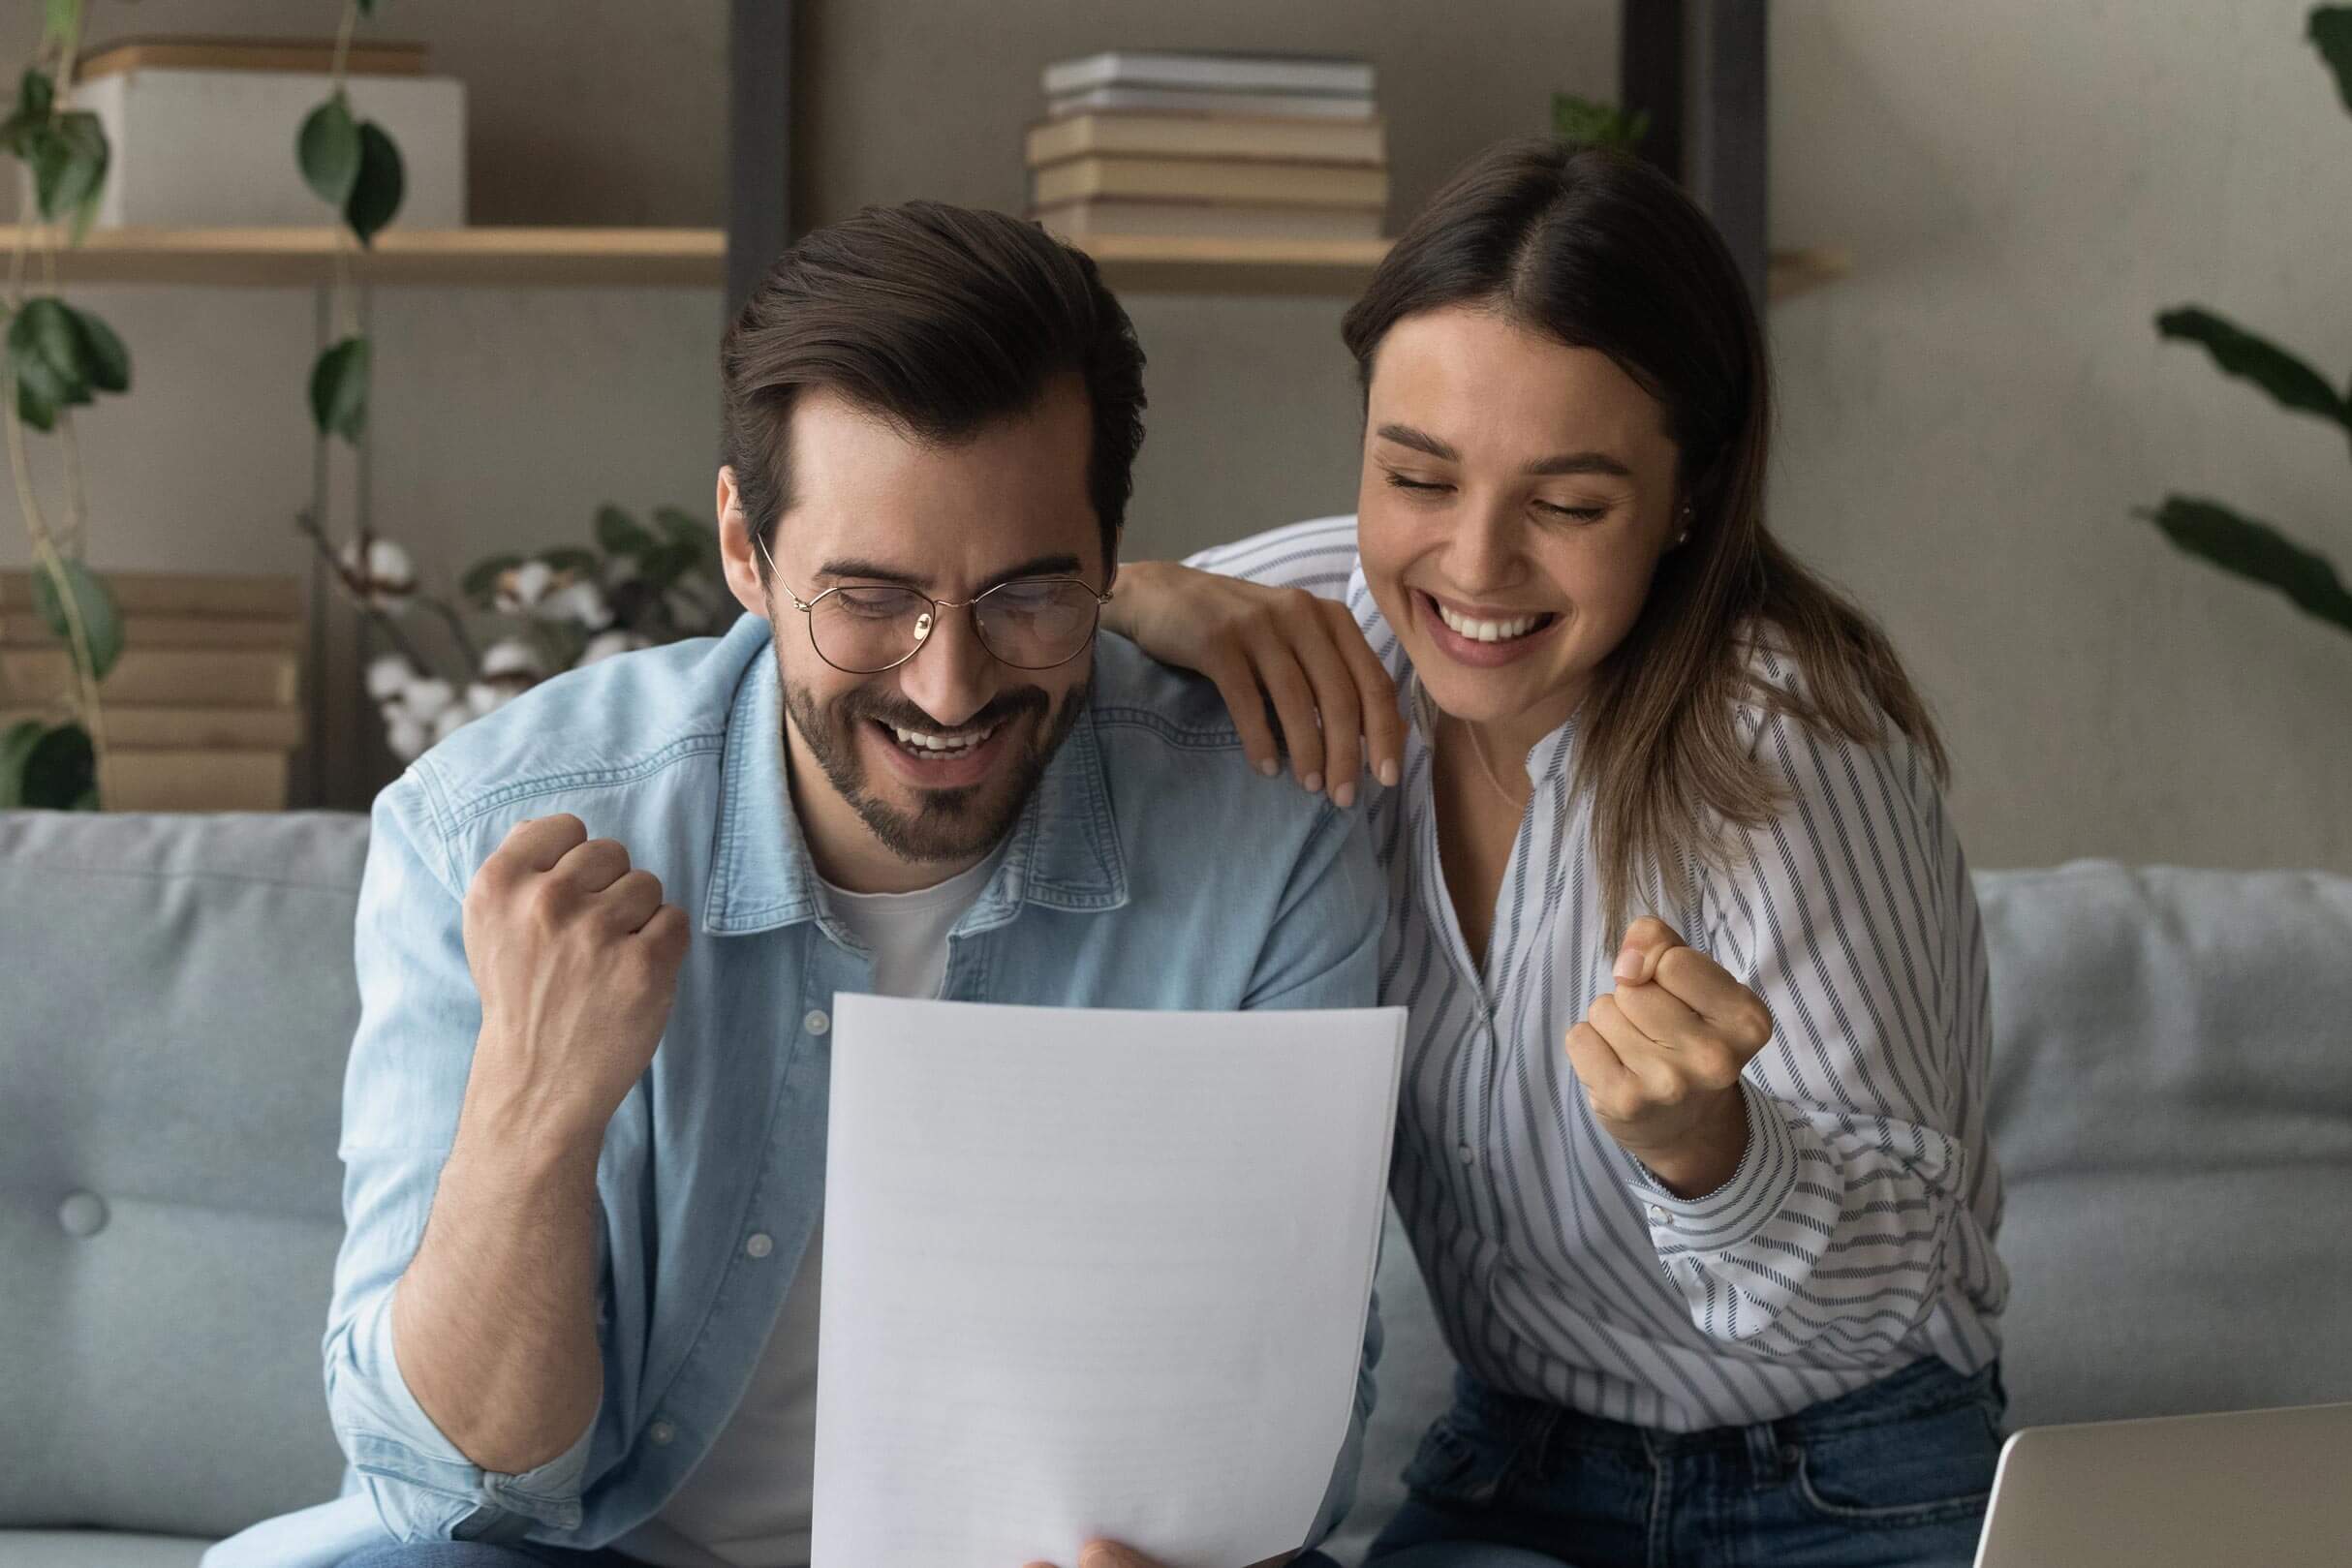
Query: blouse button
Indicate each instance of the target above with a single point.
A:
(817, 1022)
(759, 1246)
(661, 1432)
(1465, 1154)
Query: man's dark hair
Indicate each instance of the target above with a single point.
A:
(941, 320)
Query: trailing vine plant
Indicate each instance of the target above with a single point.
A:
(57, 358)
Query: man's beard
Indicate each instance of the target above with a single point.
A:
(950, 824)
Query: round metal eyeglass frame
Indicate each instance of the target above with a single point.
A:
(925, 625)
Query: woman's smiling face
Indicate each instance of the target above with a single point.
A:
(1516, 496)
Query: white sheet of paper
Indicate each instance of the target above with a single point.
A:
(1092, 1273)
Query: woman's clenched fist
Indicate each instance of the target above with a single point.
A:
(1660, 1059)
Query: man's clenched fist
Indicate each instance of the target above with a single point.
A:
(577, 959)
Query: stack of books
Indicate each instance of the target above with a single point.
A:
(202, 711)
(1233, 146)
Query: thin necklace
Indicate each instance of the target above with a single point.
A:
(1479, 752)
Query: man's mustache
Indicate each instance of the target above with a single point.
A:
(904, 715)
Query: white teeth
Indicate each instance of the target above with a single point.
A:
(915, 740)
(1487, 630)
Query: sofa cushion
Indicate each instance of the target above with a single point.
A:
(2171, 1098)
(97, 1549)
(179, 1006)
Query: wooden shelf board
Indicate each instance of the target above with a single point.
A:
(694, 258)
(1793, 273)
(284, 257)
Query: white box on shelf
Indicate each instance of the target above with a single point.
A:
(216, 149)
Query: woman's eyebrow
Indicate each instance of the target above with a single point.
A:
(1420, 441)
(1584, 462)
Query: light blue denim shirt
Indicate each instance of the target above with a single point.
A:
(1151, 868)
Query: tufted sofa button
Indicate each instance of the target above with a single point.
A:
(82, 1214)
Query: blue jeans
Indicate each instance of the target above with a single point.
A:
(1894, 1475)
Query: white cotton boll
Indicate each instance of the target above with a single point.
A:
(513, 659)
(447, 722)
(582, 602)
(387, 562)
(521, 587)
(386, 581)
(389, 675)
(606, 644)
(424, 699)
(404, 735)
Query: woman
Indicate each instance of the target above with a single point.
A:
(1709, 1227)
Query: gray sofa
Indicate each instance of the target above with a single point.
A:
(2172, 1098)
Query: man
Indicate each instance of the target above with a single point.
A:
(574, 1317)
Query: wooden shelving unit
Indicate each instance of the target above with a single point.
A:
(697, 258)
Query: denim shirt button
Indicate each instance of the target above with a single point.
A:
(817, 1022)
(759, 1246)
(661, 1432)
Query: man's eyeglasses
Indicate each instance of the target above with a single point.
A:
(1030, 622)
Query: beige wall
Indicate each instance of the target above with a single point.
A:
(1966, 422)
(1969, 419)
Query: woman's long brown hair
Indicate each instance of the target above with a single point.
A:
(1600, 251)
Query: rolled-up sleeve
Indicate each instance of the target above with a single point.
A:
(409, 1058)
(1850, 915)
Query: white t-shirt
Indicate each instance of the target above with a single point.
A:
(747, 1504)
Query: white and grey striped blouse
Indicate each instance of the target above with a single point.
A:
(1857, 1235)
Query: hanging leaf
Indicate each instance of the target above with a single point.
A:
(60, 772)
(338, 391)
(2240, 353)
(44, 349)
(107, 360)
(69, 159)
(2331, 33)
(35, 410)
(572, 558)
(101, 619)
(36, 95)
(376, 195)
(2257, 552)
(619, 534)
(85, 173)
(664, 566)
(16, 745)
(480, 580)
(684, 528)
(327, 147)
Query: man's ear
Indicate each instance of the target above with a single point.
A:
(737, 552)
